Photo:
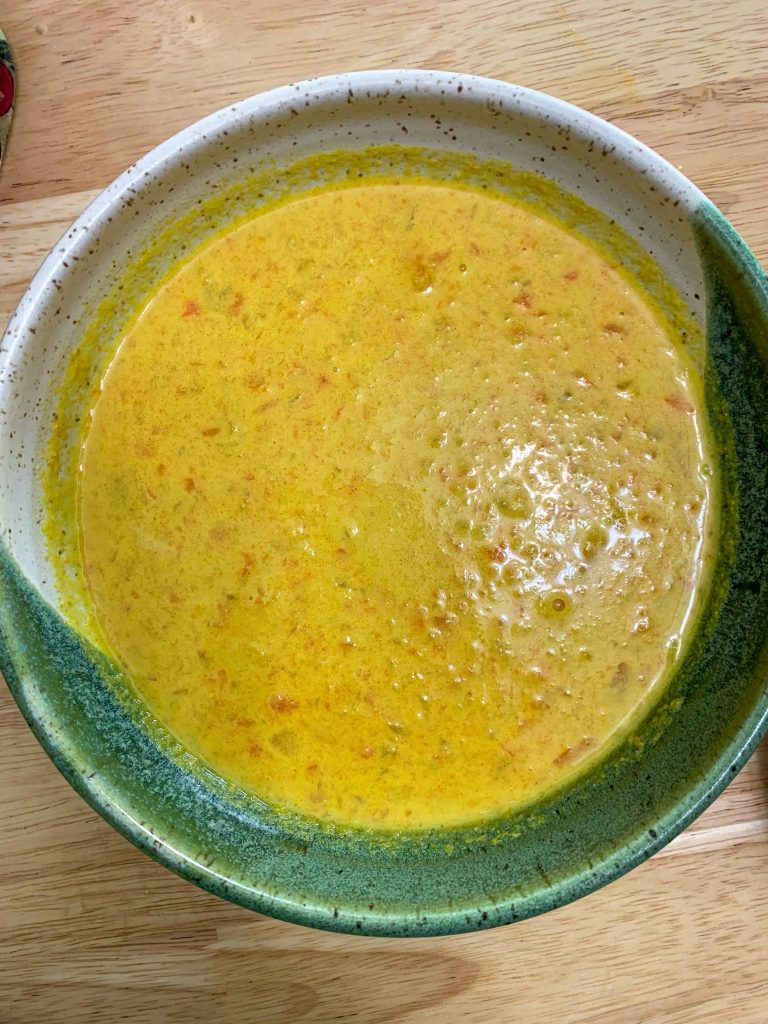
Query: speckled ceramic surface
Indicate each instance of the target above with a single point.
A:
(693, 740)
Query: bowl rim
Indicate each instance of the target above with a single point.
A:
(441, 921)
(323, 86)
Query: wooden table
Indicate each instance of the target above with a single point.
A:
(91, 930)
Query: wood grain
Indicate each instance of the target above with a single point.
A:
(91, 930)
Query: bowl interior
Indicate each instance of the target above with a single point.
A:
(689, 744)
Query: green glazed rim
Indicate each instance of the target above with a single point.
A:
(693, 741)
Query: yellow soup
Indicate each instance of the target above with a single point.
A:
(393, 501)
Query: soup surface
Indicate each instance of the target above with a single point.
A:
(393, 501)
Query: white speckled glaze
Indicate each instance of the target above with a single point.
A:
(532, 131)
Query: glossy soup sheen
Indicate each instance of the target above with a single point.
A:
(393, 501)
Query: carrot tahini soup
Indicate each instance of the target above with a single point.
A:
(393, 503)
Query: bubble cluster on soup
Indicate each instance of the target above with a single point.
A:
(392, 504)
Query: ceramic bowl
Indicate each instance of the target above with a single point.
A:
(689, 745)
